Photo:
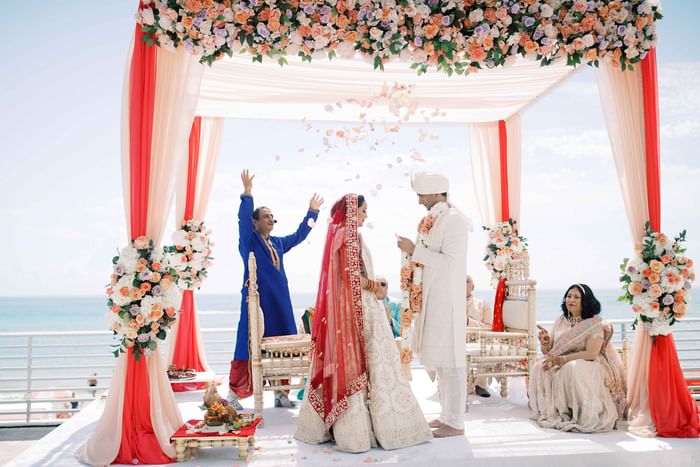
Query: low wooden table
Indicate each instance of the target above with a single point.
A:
(243, 438)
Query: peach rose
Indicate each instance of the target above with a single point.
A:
(679, 310)
(139, 320)
(655, 290)
(635, 288)
(155, 266)
(342, 21)
(654, 306)
(115, 309)
(145, 286)
(654, 278)
(656, 266)
(170, 311)
(131, 333)
(155, 277)
(187, 22)
(124, 291)
(430, 31)
(636, 308)
(154, 327)
(264, 15)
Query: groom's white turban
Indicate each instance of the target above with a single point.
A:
(428, 183)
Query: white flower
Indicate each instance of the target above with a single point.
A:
(476, 15)
(180, 238)
(546, 11)
(198, 244)
(147, 17)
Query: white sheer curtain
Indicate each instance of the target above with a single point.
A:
(486, 168)
(178, 77)
(621, 96)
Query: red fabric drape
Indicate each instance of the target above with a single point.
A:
(497, 323)
(672, 408)
(139, 443)
(142, 91)
(503, 145)
(651, 138)
(186, 352)
(192, 166)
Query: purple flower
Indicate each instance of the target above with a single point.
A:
(197, 21)
(143, 337)
(433, 2)
(446, 20)
(370, 15)
(668, 299)
(262, 30)
(490, 63)
(157, 290)
(528, 21)
(145, 274)
(189, 45)
(118, 269)
(603, 44)
(134, 310)
(537, 35)
(617, 44)
(631, 270)
(621, 30)
(325, 19)
(309, 9)
(514, 49)
(202, 14)
(326, 10)
(361, 15)
(515, 8)
(419, 41)
(254, 2)
(220, 32)
(645, 283)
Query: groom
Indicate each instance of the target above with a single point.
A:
(440, 334)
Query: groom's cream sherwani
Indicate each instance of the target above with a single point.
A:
(440, 334)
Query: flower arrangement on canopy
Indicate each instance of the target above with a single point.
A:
(657, 281)
(503, 247)
(452, 36)
(191, 253)
(143, 297)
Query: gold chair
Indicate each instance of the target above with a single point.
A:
(508, 354)
(278, 362)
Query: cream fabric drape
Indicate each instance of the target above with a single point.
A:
(621, 96)
(178, 78)
(486, 163)
(236, 88)
(623, 106)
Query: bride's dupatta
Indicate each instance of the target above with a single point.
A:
(575, 338)
(338, 364)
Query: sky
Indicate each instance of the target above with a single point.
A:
(60, 175)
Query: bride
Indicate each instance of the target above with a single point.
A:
(357, 393)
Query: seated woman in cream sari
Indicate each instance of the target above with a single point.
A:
(357, 394)
(578, 385)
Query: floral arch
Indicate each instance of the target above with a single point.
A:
(508, 53)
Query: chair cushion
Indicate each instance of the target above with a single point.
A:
(515, 314)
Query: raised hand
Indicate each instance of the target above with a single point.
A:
(405, 244)
(316, 202)
(247, 180)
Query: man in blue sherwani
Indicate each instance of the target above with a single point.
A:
(254, 228)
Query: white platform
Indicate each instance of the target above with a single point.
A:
(498, 433)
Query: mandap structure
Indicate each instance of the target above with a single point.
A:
(483, 62)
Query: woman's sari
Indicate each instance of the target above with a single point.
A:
(581, 395)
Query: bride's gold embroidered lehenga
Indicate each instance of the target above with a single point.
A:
(357, 391)
(582, 395)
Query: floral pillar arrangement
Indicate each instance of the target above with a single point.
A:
(503, 248)
(657, 282)
(143, 297)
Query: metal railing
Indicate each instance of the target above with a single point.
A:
(46, 377)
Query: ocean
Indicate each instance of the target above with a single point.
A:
(39, 314)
